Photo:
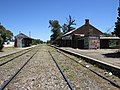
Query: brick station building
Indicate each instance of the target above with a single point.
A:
(86, 37)
(22, 40)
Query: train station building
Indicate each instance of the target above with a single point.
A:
(22, 40)
(87, 37)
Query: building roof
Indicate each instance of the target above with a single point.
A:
(68, 33)
(21, 35)
(112, 38)
(85, 29)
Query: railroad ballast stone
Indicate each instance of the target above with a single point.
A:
(82, 77)
(40, 73)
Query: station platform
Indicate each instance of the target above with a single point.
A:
(106, 59)
(10, 50)
(105, 55)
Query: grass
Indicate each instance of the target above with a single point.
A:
(8, 49)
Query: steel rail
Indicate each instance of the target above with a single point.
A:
(68, 82)
(7, 82)
(13, 58)
(95, 72)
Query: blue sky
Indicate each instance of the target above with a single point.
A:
(33, 15)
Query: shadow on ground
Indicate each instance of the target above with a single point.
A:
(112, 55)
(1, 51)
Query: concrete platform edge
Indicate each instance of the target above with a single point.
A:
(109, 67)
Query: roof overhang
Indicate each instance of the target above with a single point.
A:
(112, 38)
(68, 33)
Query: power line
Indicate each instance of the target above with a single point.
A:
(109, 29)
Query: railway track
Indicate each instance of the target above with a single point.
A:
(10, 69)
(61, 71)
(101, 64)
(40, 73)
(95, 72)
(3, 62)
(98, 72)
(9, 57)
(70, 67)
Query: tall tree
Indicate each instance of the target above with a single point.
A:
(4, 35)
(55, 28)
(3, 32)
(36, 41)
(69, 25)
(117, 24)
(9, 35)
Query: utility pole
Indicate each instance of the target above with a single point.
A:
(29, 34)
(19, 32)
(119, 3)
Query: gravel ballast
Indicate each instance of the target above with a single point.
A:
(40, 73)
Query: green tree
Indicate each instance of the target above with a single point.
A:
(9, 35)
(117, 25)
(1, 43)
(55, 28)
(69, 25)
(108, 35)
(3, 32)
(48, 42)
(37, 41)
(4, 35)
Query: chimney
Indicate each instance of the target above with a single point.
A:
(86, 21)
